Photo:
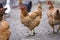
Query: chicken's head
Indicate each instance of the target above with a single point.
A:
(2, 10)
(23, 7)
(49, 2)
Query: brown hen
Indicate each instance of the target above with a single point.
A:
(53, 16)
(31, 20)
(4, 26)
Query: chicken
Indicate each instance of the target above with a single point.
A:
(53, 16)
(4, 26)
(31, 20)
(4, 30)
(28, 5)
(8, 7)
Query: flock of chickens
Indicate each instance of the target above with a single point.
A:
(30, 19)
(33, 19)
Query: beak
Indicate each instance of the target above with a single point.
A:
(21, 5)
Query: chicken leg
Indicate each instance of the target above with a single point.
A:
(58, 29)
(52, 28)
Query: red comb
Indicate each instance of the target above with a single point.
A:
(50, 2)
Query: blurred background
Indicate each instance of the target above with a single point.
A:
(14, 3)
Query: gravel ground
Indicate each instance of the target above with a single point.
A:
(19, 31)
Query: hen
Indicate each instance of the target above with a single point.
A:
(53, 16)
(8, 7)
(31, 20)
(4, 26)
(28, 5)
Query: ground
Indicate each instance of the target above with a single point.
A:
(20, 32)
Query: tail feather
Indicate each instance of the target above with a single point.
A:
(30, 3)
(29, 6)
(57, 11)
(1, 6)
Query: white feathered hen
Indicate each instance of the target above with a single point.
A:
(8, 7)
